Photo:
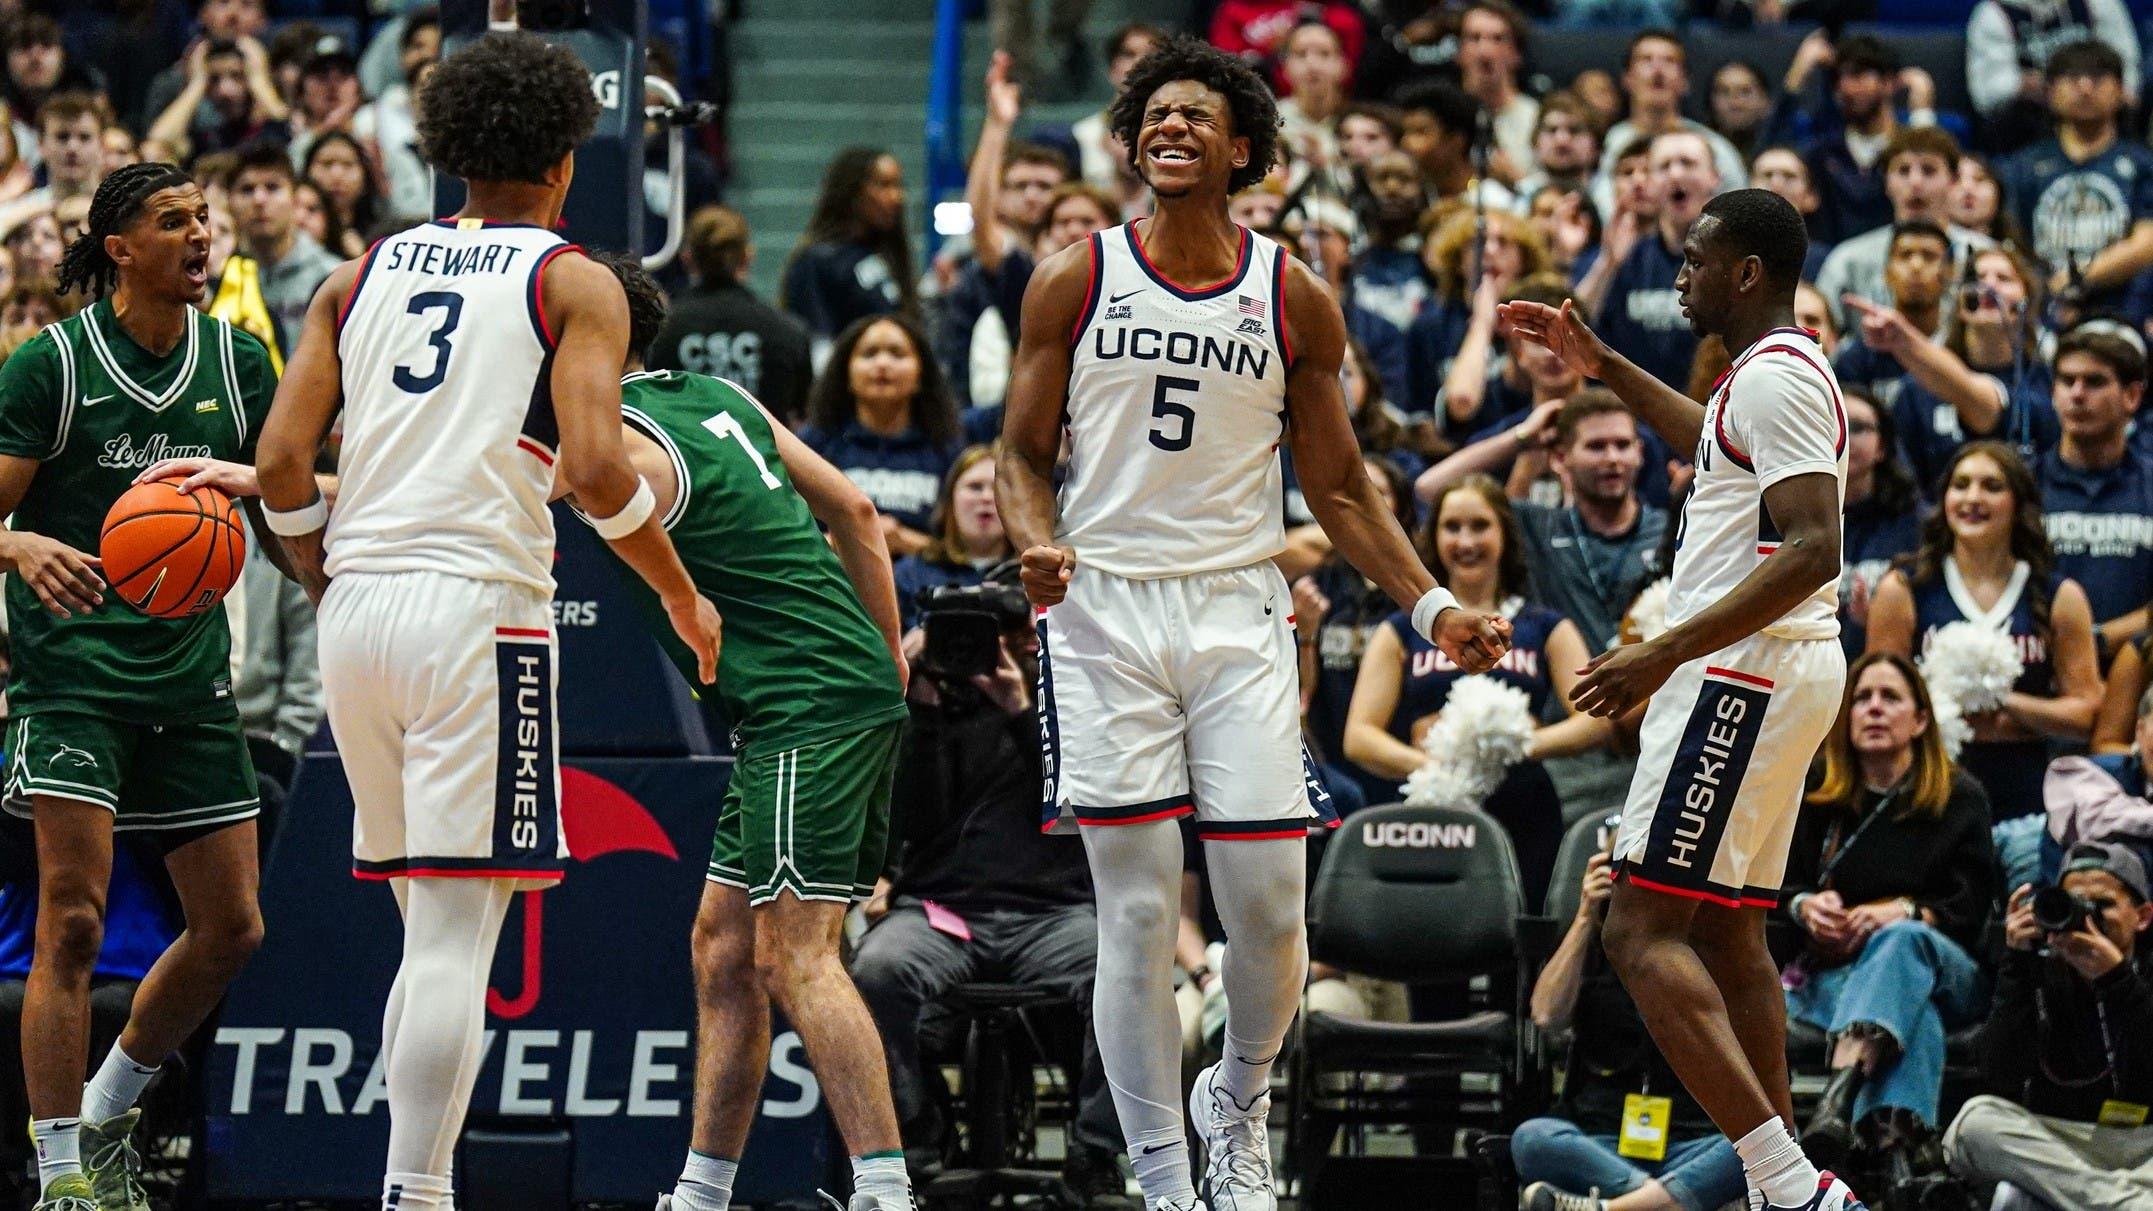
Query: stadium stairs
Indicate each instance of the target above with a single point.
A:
(813, 76)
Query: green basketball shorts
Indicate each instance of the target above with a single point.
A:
(181, 780)
(812, 820)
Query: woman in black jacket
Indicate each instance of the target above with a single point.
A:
(1891, 877)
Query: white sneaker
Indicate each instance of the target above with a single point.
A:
(1236, 1143)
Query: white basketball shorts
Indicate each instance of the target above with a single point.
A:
(440, 691)
(1176, 696)
(1725, 747)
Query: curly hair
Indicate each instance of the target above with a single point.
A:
(1450, 251)
(1255, 110)
(647, 304)
(508, 107)
(113, 207)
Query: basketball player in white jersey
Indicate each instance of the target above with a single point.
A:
(467, 356)
(1743, 685)
(1178, 352)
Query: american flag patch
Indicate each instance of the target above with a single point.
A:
(1250, 305)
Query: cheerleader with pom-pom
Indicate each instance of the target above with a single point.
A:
(1984, 557)
(1473, 547)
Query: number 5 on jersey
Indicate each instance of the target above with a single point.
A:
(1177, 425)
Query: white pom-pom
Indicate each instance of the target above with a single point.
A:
(1970, 667)
(1648, 614)
(1485, 728)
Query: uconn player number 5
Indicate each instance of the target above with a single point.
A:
(1165, 409)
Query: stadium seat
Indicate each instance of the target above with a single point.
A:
(1586, 837)
(1387, 878)
(999, 1109)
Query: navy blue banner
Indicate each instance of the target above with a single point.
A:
(591, 1014)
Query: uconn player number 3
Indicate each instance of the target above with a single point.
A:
(1178, 420)
(450, 305)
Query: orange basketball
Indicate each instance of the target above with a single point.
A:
(172, 555)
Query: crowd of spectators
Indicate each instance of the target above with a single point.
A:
(1982, 278)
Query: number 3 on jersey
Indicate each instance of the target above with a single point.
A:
(726, 425)
(1178, 420)
(450, 304)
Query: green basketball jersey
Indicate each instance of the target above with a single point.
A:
(801, 658)
(94, 408)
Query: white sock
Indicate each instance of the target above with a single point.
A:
(59, 1148)
(706, 1184)
(1775, 1166)
(883, 1175)
(1161, 1161)
(1245, 1070)
(116, 1087)
(414, 1192)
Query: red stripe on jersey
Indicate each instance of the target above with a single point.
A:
(1169, 814)
(1091, 290)
(1737, 675)
(1278, 293)
(1838, 405)
(537, 451)
(538, 288)
(523, 632)
(366, 263)
(1687, 893)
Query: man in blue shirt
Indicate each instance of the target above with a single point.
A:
(2098, 496)
(2085, 195)
(1641, 315)
(1387, 275)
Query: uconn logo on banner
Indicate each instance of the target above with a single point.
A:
(1418, 834)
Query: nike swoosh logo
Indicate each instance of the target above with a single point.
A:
(1132, 294)
(1267, 609)
(91, 401)
(1156, 1148)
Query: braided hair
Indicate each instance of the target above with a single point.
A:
(116, 203)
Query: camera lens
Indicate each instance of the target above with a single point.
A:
(2056, 910)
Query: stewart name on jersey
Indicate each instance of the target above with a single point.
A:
(94, 408)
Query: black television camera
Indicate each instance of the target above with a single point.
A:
(965, 623)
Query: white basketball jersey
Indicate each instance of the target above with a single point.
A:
(1177, 403)
(449, 433)
(1775, 414)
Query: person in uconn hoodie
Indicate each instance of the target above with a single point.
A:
(883, 414)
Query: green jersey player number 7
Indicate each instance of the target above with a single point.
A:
(812, 680)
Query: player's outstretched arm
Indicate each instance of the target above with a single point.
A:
(1806, 509)
(1676, 416)
(1327, 459)
(308, 398)
(855, 532)
(590, 312)
(1032, 421)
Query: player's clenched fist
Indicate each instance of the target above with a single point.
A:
(1046, 573)
(696, 621)
(1475, 641)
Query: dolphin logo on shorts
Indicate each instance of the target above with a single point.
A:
(75, 756)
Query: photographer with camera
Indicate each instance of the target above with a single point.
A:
(973, 890)
(2065, 1052)
(966, 538)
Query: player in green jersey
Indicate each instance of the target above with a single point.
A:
(121, 721)
(813, 682)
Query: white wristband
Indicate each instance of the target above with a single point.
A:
(1431, 603)
(305, 519)
(631, 516)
